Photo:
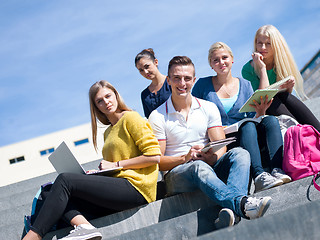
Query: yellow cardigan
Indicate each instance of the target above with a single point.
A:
(130, 137)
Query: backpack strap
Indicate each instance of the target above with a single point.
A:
(314, 182)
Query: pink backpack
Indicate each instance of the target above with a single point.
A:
(301, 156)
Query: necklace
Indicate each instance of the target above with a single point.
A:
(224, 88)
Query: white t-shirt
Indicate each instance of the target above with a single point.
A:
(170, 126)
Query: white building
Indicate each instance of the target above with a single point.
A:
(29, 159)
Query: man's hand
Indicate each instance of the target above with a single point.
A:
(194, 153)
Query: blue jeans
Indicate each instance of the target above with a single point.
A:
(226, 183)
(268, 134)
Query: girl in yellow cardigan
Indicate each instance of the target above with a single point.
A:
(130, 144)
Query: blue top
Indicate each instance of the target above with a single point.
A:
(228, 102)
(150, 101)
(204, 89)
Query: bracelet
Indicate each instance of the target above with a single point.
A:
(117, 163)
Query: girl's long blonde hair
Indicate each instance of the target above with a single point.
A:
(284, 64)
(96, 113)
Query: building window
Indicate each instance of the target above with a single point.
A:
(46, 151)
(82, 141)
(15, 160)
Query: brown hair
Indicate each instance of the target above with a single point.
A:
(96, 113)
(181, 60)
(148, 53)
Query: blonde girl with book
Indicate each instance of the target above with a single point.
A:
(272, 61)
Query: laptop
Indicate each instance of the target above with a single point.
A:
(63, 160)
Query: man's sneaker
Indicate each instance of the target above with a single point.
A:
(82, 233)
(256, 207)
(280, 174)
(265, 181)
(226, 218)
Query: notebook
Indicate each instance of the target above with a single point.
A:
(256, 96)
(63, 160)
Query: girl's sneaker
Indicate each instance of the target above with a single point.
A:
(84, 232)
(265, 181)
(280, 174)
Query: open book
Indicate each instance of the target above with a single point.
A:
(235, 127)
(277, 84)
(271, 91)
(216, 145)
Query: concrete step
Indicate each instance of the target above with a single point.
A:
(11, 232)
(194, 224)
(148, 219)
(183, 227)
(146, 215)
(300, 223)
(286, 196)
(18, 199)
(27, 185)
(14, 216)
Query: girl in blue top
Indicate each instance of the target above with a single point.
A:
(159, 90)
(229, 94)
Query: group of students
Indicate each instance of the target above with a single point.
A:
(184, 115)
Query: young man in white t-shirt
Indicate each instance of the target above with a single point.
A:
(183, 125)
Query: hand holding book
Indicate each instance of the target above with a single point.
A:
(284, 84)
(270, 91)
(216, 145)
(256, 98)
(262, 106)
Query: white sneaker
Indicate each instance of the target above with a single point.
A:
(256, 207)
(280, 174)
(82, 233)
(265, 181)
(226, 218)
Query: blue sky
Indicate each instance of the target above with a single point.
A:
(51, 52)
